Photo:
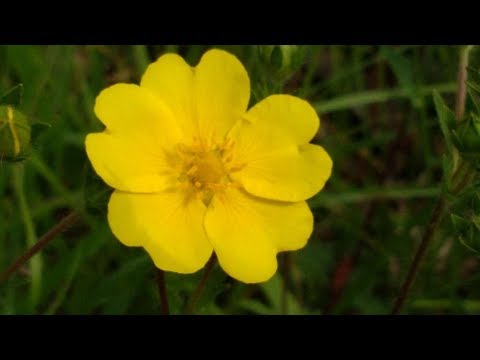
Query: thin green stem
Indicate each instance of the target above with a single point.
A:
(346, 102)
(190, 308)
(36, 263)
(369, 194)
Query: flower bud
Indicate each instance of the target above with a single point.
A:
(285, 58)
(14, 134)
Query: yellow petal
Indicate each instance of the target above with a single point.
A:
(272, 150)
(281, 120)
(206, 100)
(290, 174)
(130, 154)
(170, 78)
(130, 110)
(222, 92)
(247, 232)
(168, 225)
(125, 165)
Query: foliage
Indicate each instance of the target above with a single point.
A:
(380, 124)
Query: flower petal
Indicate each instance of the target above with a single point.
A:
(206, 100)
(222, 92)
(126, 166)
(282, 120)
(282, 166)
(130, 154)
(247, 232)
(168, 225)
(171, 79)
(291, 174)
(130, 110)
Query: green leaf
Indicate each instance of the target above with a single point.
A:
(468, 231)
(476, 221)
(110, 292)
(272, 290)
(13, 96)
(456, 140)
(276, 58)
(472, 105)
(464, 243)
(356, 99)
(446, 118)
(403, 70)
(400, 66)
(447, 165)
(473, 86)
(468, 134)
(460, 224)
(476, 123)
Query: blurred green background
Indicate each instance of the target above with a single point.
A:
(378, 123)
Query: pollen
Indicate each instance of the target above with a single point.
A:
(206, 169)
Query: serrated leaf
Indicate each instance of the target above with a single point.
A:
(13, 96)
(447, 121)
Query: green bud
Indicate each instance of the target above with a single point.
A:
(14, 134)
(285, 58)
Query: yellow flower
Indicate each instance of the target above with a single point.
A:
(195, 172)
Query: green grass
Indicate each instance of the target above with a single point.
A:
(378, 123)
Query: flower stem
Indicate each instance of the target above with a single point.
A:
(457, 187)
(65, 223)
(190, 307)
(462, 82)
(36, 264)
(162, 290)
(437, 214)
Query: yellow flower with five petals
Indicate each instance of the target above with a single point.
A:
(194, 171)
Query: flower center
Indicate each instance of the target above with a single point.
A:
(205, 169)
